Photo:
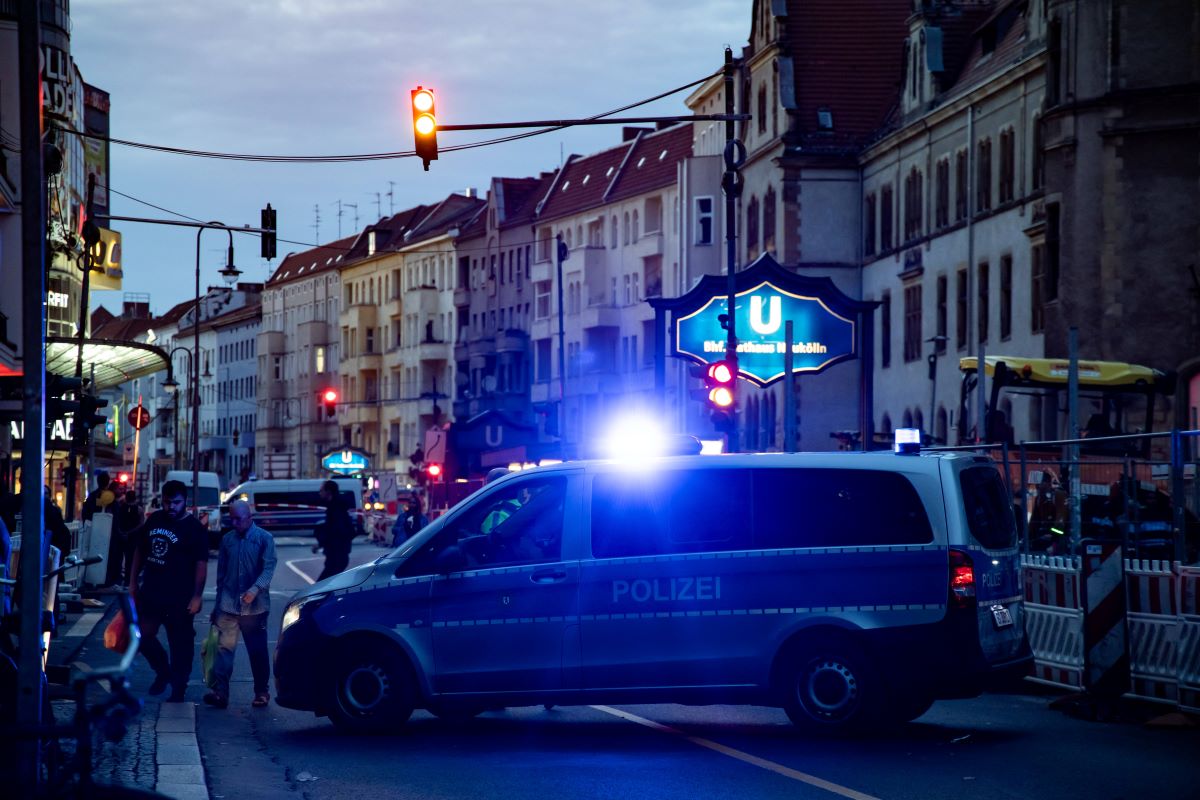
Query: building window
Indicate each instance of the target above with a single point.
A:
(942, 194)
(612, 236)
(983, 174)
(634, 233)
(984, 275)
(653, 214)
(869, 225)
(543, 360)
(885, 331)
(885, 218)
(960, 186)
(702, 213)
(769, 221)
(1007, 166)
(960, 309)
(1005, 298)
(543, 251)
(1037, 282)
(1051, 263)
(762, 109)
(943, 311)
(752, 228)
(625, 228)
(319, 359)
(912, 322)
(1039, 154)
(912, 204)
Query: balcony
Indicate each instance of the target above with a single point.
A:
(360, 316)
(543, 392)
(363, 362)
(477, 348)
(358, 414)
(313, 333)
(542, 328)
(272, 390)
(600, 315)
(272, 343)
(423, 299)
(433, 350)
(649, 244)
(512, 340)
(208, 443)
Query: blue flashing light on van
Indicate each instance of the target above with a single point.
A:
(845, 588)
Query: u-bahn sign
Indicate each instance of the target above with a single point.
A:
(346, 461)
(825, 322)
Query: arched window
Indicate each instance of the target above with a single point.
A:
(885, 426)
(613, 236)
(768, 214)
(625, 229)
(908, 419)
(919, 420)
(752, 432)
(634, 233)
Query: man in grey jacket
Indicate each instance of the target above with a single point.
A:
(245, 565)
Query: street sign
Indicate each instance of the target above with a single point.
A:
(823, 337)
(139, 417)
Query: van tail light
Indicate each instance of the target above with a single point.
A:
(962, 580)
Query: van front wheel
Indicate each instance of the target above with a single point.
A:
(828, 686)
(373, 691)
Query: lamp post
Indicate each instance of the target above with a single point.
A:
(230, 273)
(172, 387)
(937, 342)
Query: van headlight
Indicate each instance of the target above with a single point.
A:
(291, 614)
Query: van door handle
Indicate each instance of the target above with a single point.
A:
(549, 576)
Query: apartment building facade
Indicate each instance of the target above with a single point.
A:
(298, 352)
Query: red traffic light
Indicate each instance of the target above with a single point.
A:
(122, 477)
(720, 373)
(329, 398)
(433, 470)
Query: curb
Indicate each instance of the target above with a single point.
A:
(177, 755)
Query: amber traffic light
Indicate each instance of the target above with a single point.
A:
(424, 125)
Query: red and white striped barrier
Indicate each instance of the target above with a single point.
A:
(1106, 656)
(1188, 663)
(1054, 618)
(1150, 590)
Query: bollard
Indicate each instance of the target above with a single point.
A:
(1105, 639)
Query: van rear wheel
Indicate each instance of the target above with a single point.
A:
(374, 691)
(829, 686)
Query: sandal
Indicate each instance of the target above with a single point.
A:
(261, 700)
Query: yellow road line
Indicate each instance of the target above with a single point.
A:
(762, 763)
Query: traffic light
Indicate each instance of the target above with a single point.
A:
(87, 418)
(329, 399)
(57, 387)
(720, 379)
(424, 125)
(268, 234)
(123, 479)
(434, 471)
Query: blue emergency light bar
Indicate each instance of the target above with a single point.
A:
(908, 441)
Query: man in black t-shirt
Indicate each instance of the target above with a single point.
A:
(170, 564)
(336, 534)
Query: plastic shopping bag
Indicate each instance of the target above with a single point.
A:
(116, 635)
(208, 657)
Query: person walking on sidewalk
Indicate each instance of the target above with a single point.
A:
(336, 533)
(245, 565)
(171, 559)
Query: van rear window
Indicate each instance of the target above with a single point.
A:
(989, 511)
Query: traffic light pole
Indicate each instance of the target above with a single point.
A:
(729, 116)
(33, 360)
(731, 185)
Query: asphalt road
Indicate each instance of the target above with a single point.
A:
(1000, 746)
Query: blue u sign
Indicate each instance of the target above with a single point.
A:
(821, 337)
(346, 462)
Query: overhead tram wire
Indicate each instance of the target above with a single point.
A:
(350, 158)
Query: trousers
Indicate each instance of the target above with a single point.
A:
(335, 562)
(181, 638)
(253, 630)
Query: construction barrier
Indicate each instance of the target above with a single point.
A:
(1147, 642)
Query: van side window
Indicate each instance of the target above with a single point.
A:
(836, 508)
(681, 511)
(289, 498)
(989, 512)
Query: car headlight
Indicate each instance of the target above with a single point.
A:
(291, 614)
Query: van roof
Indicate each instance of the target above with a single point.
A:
(879, 459)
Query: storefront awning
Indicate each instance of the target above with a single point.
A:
(114, 362)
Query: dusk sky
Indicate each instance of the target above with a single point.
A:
(326, 77)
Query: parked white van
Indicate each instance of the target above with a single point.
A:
(847, 588)
(292, 505)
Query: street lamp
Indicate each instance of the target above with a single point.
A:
(172, 387)
(938, 342)
(230, 273)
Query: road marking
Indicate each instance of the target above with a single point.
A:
(292, 566)
(762, 763)
(83, 626)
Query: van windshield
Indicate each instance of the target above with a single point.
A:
(989, 512)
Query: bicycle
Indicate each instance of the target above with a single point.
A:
(110, 717)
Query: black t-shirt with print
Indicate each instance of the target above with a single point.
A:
(170, 549)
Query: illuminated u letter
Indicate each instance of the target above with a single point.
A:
(776, 315)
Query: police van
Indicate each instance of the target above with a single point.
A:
(846, 588)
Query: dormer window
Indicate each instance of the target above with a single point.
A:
(824, 118)
(371, 243)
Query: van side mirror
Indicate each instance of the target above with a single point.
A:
(452, 559)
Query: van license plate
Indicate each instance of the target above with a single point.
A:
(1001, 616)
